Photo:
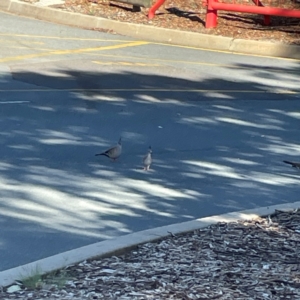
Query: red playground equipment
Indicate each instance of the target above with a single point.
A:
(214, 5)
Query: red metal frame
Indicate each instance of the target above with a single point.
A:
(154, 8)
(213, 6)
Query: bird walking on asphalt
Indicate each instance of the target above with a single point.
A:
(293, 164)
(147, 160)
(113, 152)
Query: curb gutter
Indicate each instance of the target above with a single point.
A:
(120, 245)
(154, 34)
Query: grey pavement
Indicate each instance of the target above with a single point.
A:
(219, 125)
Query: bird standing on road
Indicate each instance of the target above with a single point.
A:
(148, 159)
(294, 164)
(113, 152)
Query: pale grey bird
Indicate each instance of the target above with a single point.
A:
(147, 160)
(113, 152)
(293, 164)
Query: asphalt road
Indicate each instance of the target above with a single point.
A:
(219, 125)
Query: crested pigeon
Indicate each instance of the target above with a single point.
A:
(113, 152)
(147, 160)
(293, 164)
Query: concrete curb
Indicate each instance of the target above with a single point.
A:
(124, 243)
(154, 34)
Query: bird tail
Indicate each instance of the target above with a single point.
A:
(289, 162)
(105, 154)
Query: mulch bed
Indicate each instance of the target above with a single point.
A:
(190, 16)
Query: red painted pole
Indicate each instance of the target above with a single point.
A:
(273, 11)
(267, 19)
(154, 7)
(211, 15)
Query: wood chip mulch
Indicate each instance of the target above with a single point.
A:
(257, 259)
(190, 15)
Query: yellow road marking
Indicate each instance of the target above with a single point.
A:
(188, 62)
(163, 44)
(227, 52)
(61, 38)
(22, 42)
(124, 63)
(20, 47)
(72, 51)
(146, 65)
(170, 60)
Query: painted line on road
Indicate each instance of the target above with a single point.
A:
(6, 41)
(72, 51)
(175, 61)
(125, 63)
(228, 52)
(232, 66)
(63, 38)
(26, 48)
(153, 43)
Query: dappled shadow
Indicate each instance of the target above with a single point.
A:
(276, 21)
(282, 29)
(185, 14)
(216, 149)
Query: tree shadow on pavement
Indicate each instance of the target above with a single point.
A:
(218, 146)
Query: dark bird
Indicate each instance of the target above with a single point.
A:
(293, 164)
(113, 152)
